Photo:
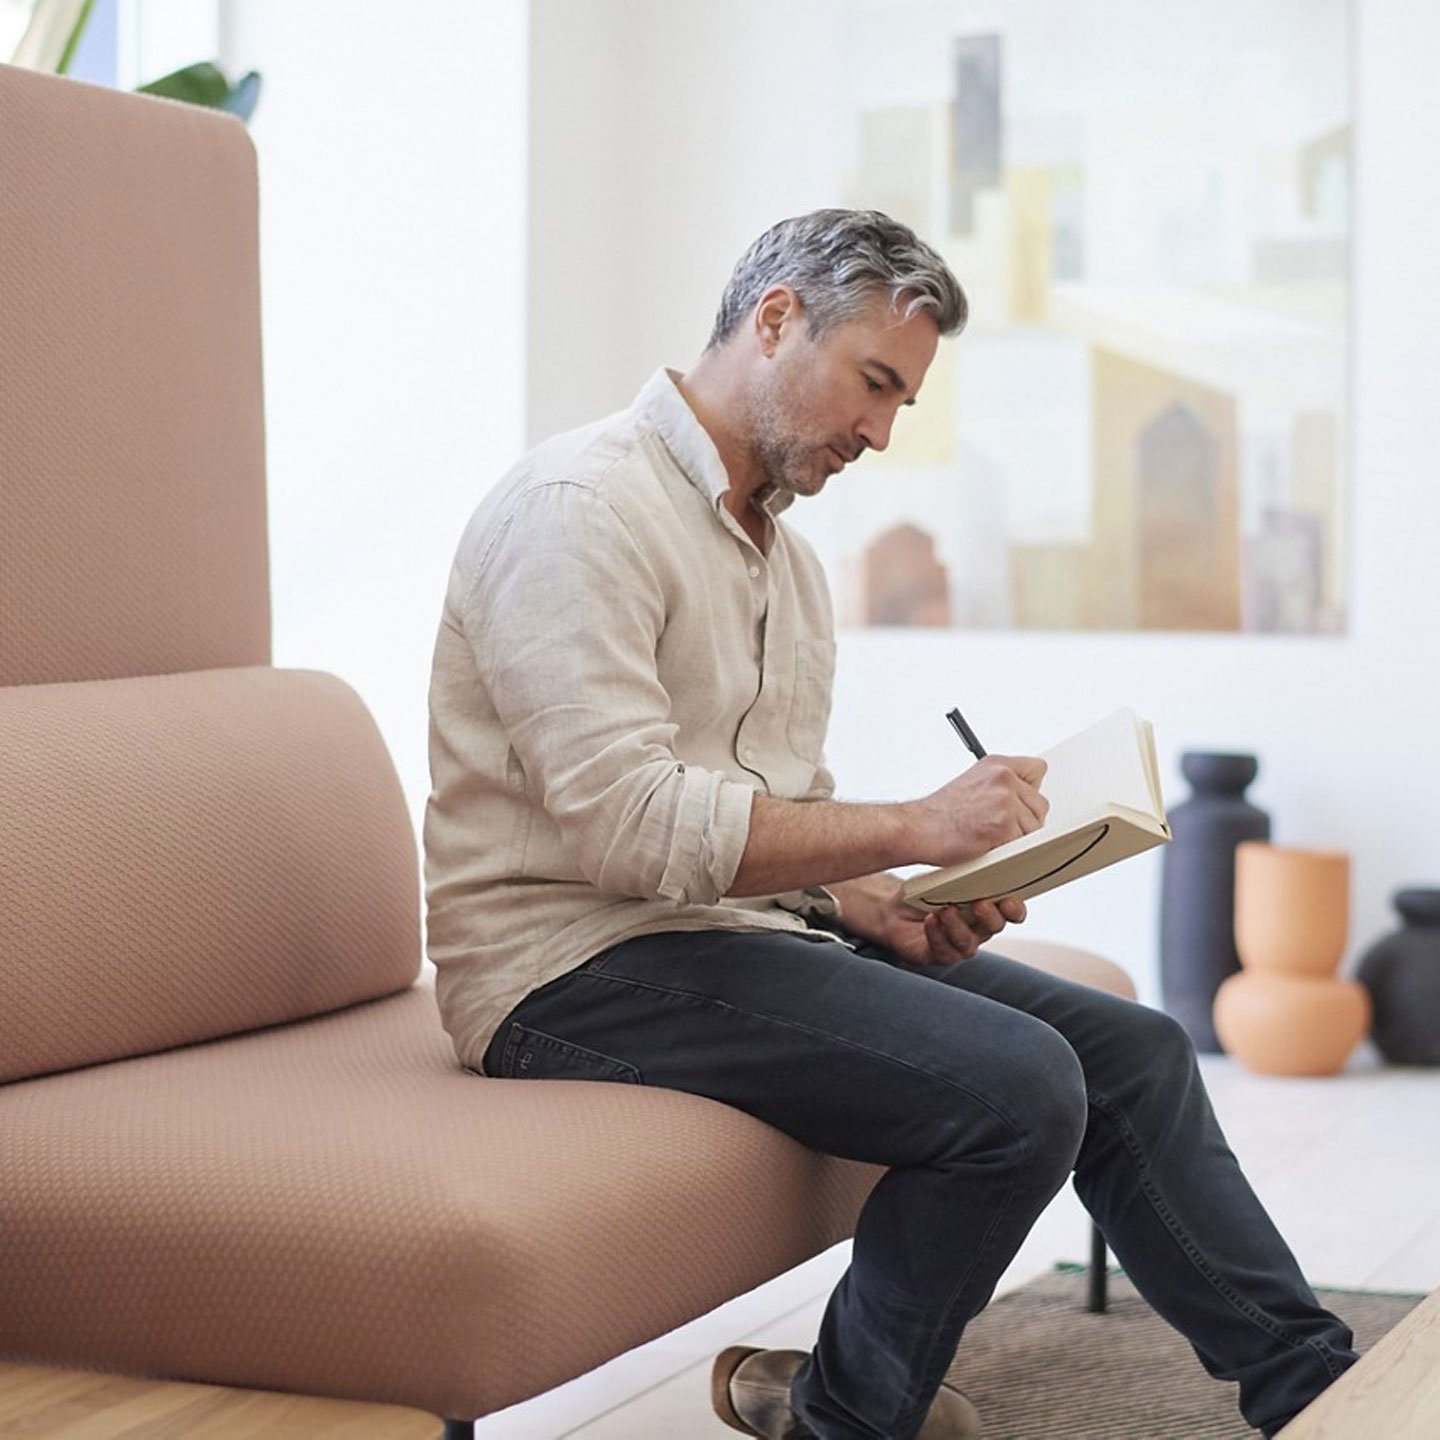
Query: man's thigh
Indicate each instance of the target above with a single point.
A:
(1118, 1041)
(849, 1053)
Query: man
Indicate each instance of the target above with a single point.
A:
(636, 870)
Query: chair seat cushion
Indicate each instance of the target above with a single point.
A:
(336, 1207)
(191, 856)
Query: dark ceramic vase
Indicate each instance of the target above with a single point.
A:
(1197, 891)
(1402, 973)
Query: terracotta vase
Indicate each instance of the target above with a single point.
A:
(1286, 1013)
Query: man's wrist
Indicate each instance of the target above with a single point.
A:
(911, 822)
(867, 904)
(895, 829)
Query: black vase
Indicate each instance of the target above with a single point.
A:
(1402, 973)
(1197, 892)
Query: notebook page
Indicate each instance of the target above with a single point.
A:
(1100, 766)
(1152, 769)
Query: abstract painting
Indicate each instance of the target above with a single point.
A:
(1145, 424)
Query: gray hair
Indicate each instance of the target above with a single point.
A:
(836, 261)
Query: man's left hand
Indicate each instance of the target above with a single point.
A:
(954, 932)
(875, 907)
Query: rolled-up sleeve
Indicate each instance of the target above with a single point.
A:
(564, 616)
(822, 787)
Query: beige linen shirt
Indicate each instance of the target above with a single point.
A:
(618, 670)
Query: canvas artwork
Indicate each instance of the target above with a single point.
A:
(1144, 426)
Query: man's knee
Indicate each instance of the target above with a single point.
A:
(1056, 1109)
(1161, 1048)
(1037, 1110)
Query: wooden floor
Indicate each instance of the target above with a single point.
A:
(75, 1405)
(1393, 1392)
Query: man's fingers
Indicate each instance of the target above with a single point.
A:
(1035, 803)
(951, 938)
(1030, 768)
(956, 932)
(965, 929)
(943, 949)
(951, 924)
(985, 919)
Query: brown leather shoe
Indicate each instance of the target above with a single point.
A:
(750, 1390)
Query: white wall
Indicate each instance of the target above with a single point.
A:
(392, 212)
(666, 135)
(669, 134)
(160, 36)
(433, 279)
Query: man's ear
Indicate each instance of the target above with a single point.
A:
(778, 311)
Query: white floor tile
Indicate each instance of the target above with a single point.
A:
(1414, 1267)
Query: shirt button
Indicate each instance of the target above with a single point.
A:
(747, 754)
(754, 572)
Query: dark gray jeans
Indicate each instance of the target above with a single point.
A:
(982, 1086)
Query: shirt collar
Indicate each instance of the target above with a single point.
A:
(687, 440)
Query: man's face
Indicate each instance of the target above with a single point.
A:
(817, 405)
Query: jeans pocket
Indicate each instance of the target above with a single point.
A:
(531, 1054)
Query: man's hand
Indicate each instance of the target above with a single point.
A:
(795, 843)
(873, 907)
(955, 932)
(998, 799)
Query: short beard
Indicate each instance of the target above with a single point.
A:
(787, 462)
(789, 467)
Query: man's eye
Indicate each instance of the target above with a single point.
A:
(873, 386)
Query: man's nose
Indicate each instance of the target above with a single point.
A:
(874, 431)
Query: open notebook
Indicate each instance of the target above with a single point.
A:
(1103, 786)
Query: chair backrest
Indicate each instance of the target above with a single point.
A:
(132, 439)
(192, 843)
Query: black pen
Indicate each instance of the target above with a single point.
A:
(963, 730)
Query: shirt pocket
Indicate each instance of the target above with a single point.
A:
(810, 707)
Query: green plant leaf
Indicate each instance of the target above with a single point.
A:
(200, 84)
(205, 84)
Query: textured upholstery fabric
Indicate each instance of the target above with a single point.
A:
(132, 494)
(337, 1208)
(1068, 961)
(332, 1206)
(186, 856)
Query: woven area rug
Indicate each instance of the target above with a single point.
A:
(1040, 1367)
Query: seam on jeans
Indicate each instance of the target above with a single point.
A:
(710, 1000)
(1192, 1252)
(1327, 1357)
(505, 1069)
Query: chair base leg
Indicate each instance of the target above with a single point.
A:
(1095, 1299)
(459, 1430)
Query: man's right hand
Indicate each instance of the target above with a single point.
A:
(996, 800)
(794, 844)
